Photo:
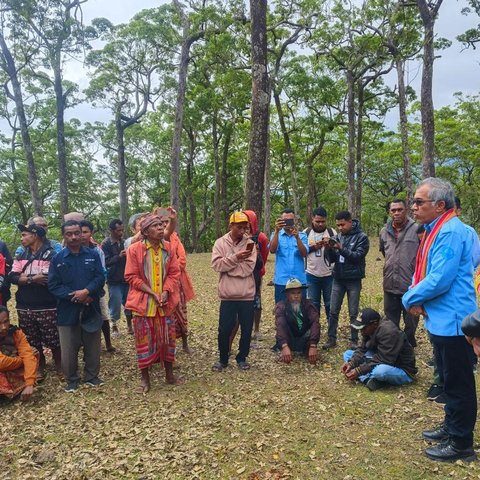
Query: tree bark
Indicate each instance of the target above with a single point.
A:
(268, 198)
(224, 175)
(121, 165)
(402, 107)
(351, 190)
(428, 14)
(359, 152)
(312, 192)
(290, 152)
(61, 147)
(189, 193)
(16, 180)
(216, 165)
(255, 174)
(10, 69)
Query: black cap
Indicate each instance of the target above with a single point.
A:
(471, 324)
(32, 228)
(366, 317)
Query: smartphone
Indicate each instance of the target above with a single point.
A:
(249, 246)
(288, 222)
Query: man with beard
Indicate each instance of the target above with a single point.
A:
(297, 325)
(319, 269)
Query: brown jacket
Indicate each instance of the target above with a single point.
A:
(236, 280)
(400, 254)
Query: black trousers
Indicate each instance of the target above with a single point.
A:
(230, 312)
(393, 308)
(454, 358)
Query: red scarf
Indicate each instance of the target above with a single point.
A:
(425, 245)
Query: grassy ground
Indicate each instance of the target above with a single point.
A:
(272, 422)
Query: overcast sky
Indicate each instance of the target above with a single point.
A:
(454, 71)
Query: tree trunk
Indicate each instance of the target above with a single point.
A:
(61, 148)
(11, 70)
(402, 107)
(189, 192)
(255, 174)
(16, 180)
(428, 13)
(122, 170)
(268, 198)
(312, 193)
(351, 143)
(216, 164)
(359, 153)
(290, 152)
(224, 176)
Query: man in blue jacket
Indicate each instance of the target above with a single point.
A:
(442, 291)
(76, 278)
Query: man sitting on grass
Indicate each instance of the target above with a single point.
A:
(297, 324)
(384, 357)
(18, 363)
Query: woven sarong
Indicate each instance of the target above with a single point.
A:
(154, 339)
(180, 316)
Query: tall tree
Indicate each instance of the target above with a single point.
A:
(13, 90)
(255, 175)
(126, 77)
(428, 12)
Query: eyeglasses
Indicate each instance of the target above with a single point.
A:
(420, 201)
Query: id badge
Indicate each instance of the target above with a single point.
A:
(341, 259)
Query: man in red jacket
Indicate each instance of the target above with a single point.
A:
(153, 274)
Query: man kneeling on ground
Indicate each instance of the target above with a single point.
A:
(384, 356)
(297, 324)
(18, 363)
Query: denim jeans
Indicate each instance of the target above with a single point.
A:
(383, 373)
(317, 287)
(352, 288)
(117, 297)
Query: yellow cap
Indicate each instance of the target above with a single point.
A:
(238, 217)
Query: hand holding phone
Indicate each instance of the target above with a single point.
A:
(250, 246)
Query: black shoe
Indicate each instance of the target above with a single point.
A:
(374, 384)
(331, 342)
(448, 452)
(434, 391)
(95, 382)
(441, 399)
(71, 387)
(437, 435)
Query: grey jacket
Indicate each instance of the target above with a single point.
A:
(400, 254)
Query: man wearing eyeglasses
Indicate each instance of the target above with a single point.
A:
(399, 244)
(442, 291)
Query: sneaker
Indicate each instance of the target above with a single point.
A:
(450, 452)
(331, 342)
(71, 387)
(243, 365)
(95, 382)
(374, 384)
(434, 391)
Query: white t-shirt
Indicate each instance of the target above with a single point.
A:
(316, 260)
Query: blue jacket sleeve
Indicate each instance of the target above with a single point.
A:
(443, 266)
(55, 284)
(98, 281)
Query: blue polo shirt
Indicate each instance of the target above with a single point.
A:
(69, 272)
(446, 293)
(288, 260)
